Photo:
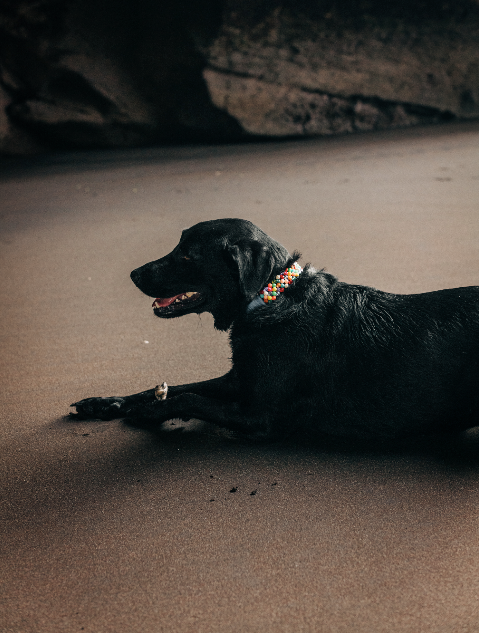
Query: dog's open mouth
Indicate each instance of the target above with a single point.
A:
(170, 305)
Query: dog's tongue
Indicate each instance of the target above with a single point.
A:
(163, 303)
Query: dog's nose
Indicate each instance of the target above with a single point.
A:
(135, 276)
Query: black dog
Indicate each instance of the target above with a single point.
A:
(322, 355)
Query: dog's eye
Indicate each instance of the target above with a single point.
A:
(185, 257)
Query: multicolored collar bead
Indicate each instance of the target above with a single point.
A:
(280, 283)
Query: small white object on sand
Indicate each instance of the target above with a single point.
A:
(161, 391)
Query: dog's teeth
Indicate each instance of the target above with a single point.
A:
(177, 301)
(190, 294)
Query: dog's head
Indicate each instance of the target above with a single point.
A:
(218, 267)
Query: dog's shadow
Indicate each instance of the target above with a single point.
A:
(458, 452)
(455, 452)
(102, 470)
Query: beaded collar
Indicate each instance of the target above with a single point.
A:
(276, 286)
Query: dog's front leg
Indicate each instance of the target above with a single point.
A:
(228, 415)
(222, 388)
(110, 408)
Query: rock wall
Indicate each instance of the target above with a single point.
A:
(290, 74)
(88, 74)
(84, 74)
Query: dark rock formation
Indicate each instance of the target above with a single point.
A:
(344, 66)
(84, 74)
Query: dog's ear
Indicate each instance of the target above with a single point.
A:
(254, 262)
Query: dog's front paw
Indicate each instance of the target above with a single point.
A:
(99, 408)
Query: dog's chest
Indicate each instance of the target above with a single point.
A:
(271, 348)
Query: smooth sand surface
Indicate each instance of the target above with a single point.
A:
(107, 528)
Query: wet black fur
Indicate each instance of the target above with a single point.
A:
(326, 356)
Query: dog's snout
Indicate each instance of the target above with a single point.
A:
(135, 276)
(146, 278)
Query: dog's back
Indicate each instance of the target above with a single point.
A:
(356, 361)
